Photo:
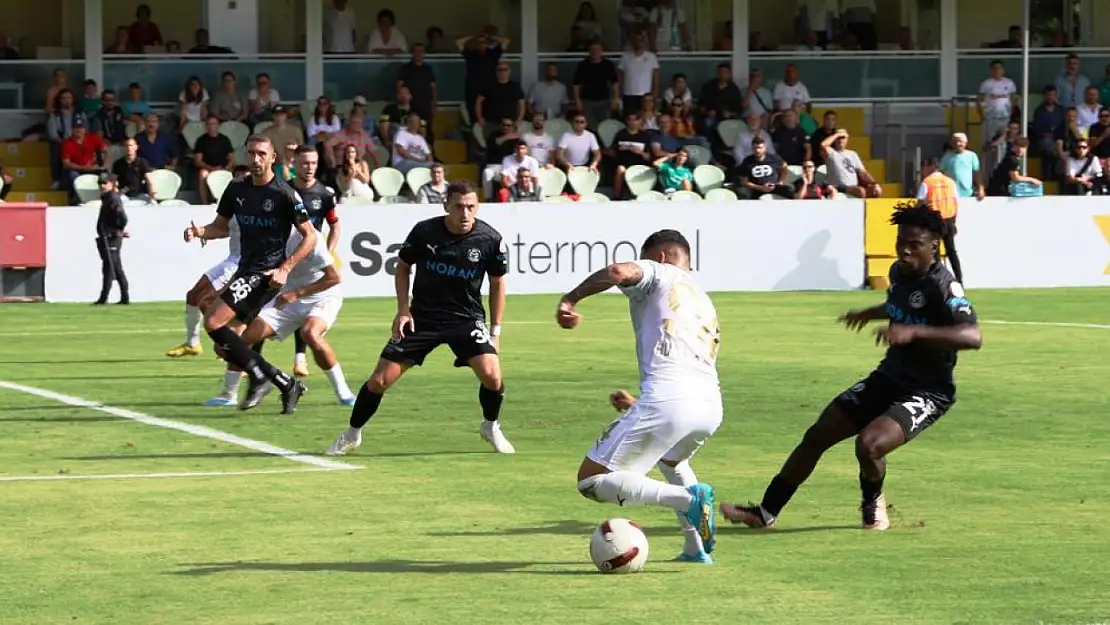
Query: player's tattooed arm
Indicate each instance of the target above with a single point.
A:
(617, 274)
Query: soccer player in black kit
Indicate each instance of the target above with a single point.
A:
(452, 255)
(319, 201)
(930, 319)
(266, 209)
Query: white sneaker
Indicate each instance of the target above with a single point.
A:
(491, 432)
(345, 443)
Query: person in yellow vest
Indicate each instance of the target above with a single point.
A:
(940, 193)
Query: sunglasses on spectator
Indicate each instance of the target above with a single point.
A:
(1082, 146)
(580, 121)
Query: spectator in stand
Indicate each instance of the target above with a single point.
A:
(1067, 138)
(64, 117)
(1104, 88)
(1084, 172)
(192, 102)
(8, 51)
(435, 190)
(386, 39)
(817, 138)
(482, 55)
(340, 25)
(683, 127)
(60, 83)
(723, 42)
(631, 146)
(501, 142)
(525, 188)
(395, 116)
(228, 104)
(352, 134)
(679, 90)
(845, 169)
(755, 42)
(283, 132)
(805, 120)
(436, 45)
(5, 183)
(541, 145)
(132, 173)
(743, 147)
(1071, 85)
(109, 121)
(1047, 124)
(173, 47)
(1004, 144)
(720, 100)
(202, 44)
(1009, 171)
(517, 161)
(144, 32)
(122, 43)
(632, 18)
(757, 99)
(997, 100)
(762, 173)
(649, 115)
(549, 96)
(674, 171)
(962, 165)
(410, 148)
(596, 86)
(668, 28)
(159, 150)
(262, 99)
(285, 166)
(806, 186)
(135, 106)
(1013, 39)
(859, 20)
(1088, 111)
(1099, 138)
(353, 174)
(502, 99)
(791, 90)
(586, 22)
(420, 80)
(790, 141)
(664, 142)
(579, 147)
(82, 153)
(811, 42)
(324, 123)
(90, 99)
(213, 152)
(638, 75)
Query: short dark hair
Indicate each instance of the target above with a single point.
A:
(758, 141)
(90, 82)
(261, 75)
(1020, 142)
(663, 238)
(1071, 57)
(212, 116)
(519, 143)
(827, 113)
(459, 187)
(434, 30)
(996, 62)
(227, 74)
(918, 214)
(134, 85)
(303, 149)
(1049, 89)
(727, 66)
(930, 161)
(387, 13)
(680, 75)
(262, 139)
(107, 92)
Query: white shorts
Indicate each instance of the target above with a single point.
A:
(652, 431)
(287, 320)
(222, 272)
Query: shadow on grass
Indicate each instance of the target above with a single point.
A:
(559, 528)
(392, 566)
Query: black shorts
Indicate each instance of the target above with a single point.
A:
(879, 394)
(467, 339)
(247, 292)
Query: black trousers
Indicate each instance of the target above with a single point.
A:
(111, 269)
(950, 248)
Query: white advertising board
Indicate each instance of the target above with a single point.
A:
(783, 245)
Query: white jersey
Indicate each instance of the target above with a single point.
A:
(677, 336)
(233, 238)
(311, 268)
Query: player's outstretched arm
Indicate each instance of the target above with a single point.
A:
(857, 319)
(617, 274)
(218, 229)
(959, 337)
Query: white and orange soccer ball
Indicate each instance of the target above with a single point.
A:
(619, 546)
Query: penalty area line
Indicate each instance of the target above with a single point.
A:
(1050, 324)
(155, 476)
(188, 428)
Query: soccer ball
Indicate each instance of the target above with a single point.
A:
(619, 546)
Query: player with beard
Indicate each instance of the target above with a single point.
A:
(267, 210)
(929, 320)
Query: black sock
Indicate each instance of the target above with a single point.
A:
(777, 495)
(365, 406)
(299, 343)
(871, 490)
(239, 354)
(257, 347)
(491, 402)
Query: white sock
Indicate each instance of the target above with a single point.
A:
(301, 359)
(629, 488)
(338, 382)
(193, 317)
(352, 433)
(231, 383)
(682, 474)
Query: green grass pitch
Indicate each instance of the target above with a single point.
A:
(1000, 511)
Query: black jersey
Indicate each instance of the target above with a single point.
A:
(266, 216)
(934, 299)
(319, 201)
(450, 270)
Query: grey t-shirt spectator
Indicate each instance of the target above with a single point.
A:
(842, 168)
(227, 106)
(548, 98)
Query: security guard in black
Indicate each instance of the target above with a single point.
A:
(266, 215)
(111, 226)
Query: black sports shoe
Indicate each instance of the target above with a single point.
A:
(292, 397)
(257, 390)
(750, 515)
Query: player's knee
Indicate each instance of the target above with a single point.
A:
(869, 447)
(380, 381)
(587, 487)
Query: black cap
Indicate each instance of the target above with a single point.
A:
(78, 121)
(280, 109)
(106, 178)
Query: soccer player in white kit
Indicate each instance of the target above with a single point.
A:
(679, 408)
(208, 286)
(310, 300)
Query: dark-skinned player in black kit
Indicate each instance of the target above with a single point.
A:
(452, 255)
(266, 209)
(929, 320)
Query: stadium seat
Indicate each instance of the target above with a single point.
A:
(651, 196)
(770, 197)
(729, 131)
(387, 182)
(820, 175)
(191, 132)
(721, 195)
(699, 155)
(357, 200)
(166, 184)
(583, 180)
(87, 187)
(794, 172)
(130, 129)
(238, 132)
(31, 177)
(556, 128)
(640, 179)
(450, 151)
(173, 202)
(559, 199)
(464, 117)
(594, 198)
(374, 108)
(217, 181)
(262, 127)
(685, 196)
(608, 129)
(418, 177)
(479, 136)
(342, 108)
(708, 178)
(115, 152)
(552, 182)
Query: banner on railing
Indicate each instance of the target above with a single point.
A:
(771, 246)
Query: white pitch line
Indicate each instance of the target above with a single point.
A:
(188, 428)
(154, 476)
(1051, 324)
